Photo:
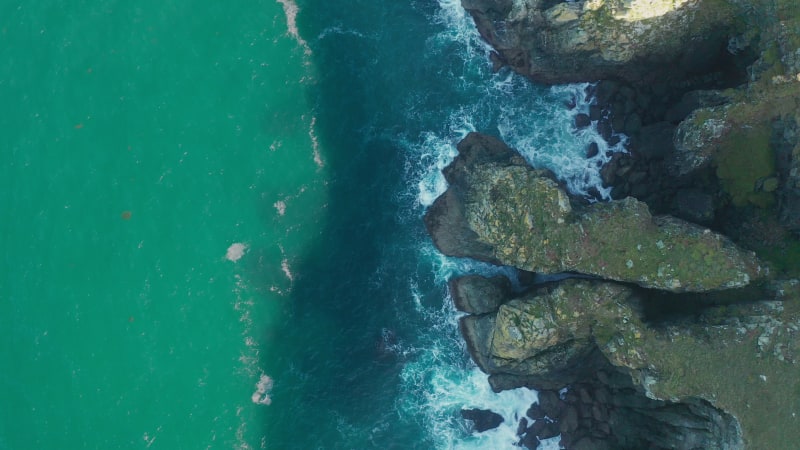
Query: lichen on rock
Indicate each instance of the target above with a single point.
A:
(520, 217)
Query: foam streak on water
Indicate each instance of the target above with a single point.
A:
(291, 10)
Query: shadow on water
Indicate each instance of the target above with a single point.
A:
(335, 372)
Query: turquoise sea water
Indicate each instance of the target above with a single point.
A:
(212, 230)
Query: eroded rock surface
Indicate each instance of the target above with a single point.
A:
(504, 211)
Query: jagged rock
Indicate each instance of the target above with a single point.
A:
(557, 42)
(475, 294)
(551, 404)
(544, 429)
(529, 441)
(541, 336)
(483, 419)
(592, 150)
(582, 121)
(520, 217)
(535, 412)
(680, 384)
(445, 221)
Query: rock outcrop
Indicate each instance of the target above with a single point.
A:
(506, 212)
(637, 41)
(707, 92)
(677, 384)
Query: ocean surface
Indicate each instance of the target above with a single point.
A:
(212, 235)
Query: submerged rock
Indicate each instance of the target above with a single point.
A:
(501, 210)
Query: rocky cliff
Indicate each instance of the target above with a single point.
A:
(725, 377)
(669, 380)
(682, 337)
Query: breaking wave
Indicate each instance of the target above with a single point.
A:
(537, 121)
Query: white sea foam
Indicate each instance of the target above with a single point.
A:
(285, 268)
(263, 389)
(536, 121)
(248, 368)
(435, 154)
(291, 10)
(280, 206)
(312, 134)
(459, 28)
(337, 30)
(545, 135)
(235, 251)
(441, 380)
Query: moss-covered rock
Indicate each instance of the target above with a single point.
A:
(742, 358)
(520, 217)
(739, 138)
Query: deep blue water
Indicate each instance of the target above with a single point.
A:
(374, 359)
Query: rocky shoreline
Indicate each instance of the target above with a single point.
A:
(678, 325)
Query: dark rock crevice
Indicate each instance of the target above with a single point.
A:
(603, 407)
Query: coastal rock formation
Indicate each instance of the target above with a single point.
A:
(500, 210)
(636, 383)
(479, 295)
(638, 41)
(546, 337)
(707, 92)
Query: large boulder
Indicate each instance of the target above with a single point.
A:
(552, 41)
(547, 337)
(445, 221)
(507, 212)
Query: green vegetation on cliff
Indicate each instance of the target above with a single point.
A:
(529, 223)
